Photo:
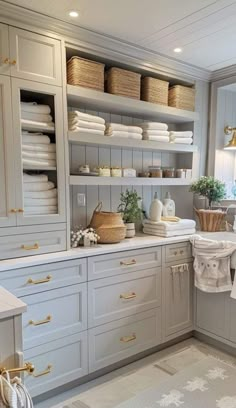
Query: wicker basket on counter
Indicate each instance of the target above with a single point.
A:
(86, 73)
(155, 91)
(108, 225)
(182, 97)
(123, 83)
(210, 220)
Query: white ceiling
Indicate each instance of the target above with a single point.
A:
(204, 29)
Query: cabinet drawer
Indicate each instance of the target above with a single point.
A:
(118, 340)
(102, 266)
(120, 296)
(57, 363)
(178, 251)
(16, 246)
(35, 279)
(54, 314)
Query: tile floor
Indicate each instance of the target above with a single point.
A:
(124, 383)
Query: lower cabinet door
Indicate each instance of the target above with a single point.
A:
(232, 334)
(178, 300)
(57, 363)
(123, 338)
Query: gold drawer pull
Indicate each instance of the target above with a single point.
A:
(30, 247)
(37, 282)
(127, 296)
(45, 372)
(127, 339)
(39, 322)
(128, 263)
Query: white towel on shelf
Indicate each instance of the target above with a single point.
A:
(117, 133)
(153, 125)
(187, 133)
(38, 117)
(25, 122)
(34, 178)
(39, 163)
(125, 128)
(35, 108)
(156, 132)
(164, 139)
(32, 147)
(87, 125)
(41, 194)
(85, 116)
(167, 234)
(35, 139)
(89, 131)
(212, 264)
(35, 202)
(41, 186)
(182, 140)
(135, 136)
(50, 209)
(170, 226)
(39, 155)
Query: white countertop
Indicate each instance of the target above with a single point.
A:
(10, 305)
(140, 241)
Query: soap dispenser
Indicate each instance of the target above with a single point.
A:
(168, 206)
(155, 210)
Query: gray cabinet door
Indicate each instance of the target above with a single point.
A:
(178, 300)
(232, 334)
(4, 50)
(7, 179)
(212, 313)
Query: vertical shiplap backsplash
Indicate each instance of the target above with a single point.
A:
(110, 195)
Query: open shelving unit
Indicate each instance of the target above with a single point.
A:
(76, 180)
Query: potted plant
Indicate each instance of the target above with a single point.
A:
(131, 211)
(214, 191)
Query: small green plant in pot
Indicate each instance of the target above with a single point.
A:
(214, 191)
(130, 208)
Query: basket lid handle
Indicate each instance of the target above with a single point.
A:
(99, 207)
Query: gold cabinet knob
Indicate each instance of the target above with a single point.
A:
(20, 210)
(13, 210)
(181, 251)
(176, 253)
(6, 61)
(13, 62)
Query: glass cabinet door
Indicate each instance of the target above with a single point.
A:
(39, 152)
(8, 209)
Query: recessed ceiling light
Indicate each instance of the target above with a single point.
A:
(73, 13)
(178, 50)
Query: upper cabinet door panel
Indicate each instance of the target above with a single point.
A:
(35, 57)
(4, 50)
(7, 179)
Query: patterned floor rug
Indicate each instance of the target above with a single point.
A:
(207, 384)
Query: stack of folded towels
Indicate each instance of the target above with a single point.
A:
(169, 229)
(84, 123)
(118, 130)
(182, 137)
(37, 150)
(40, 195)
(155, 131)
(34, 114)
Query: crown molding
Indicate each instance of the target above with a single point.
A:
(108, 46)
(223, 73)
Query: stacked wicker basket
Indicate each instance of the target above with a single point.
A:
(124, 83)
(83, 72)
(155, 91)
(182, 97)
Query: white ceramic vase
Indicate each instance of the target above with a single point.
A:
(130, 230)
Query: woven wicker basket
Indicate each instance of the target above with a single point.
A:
(111, 234)
(182, 97)
(210, 220)
(124, 83)
(155, 91)
(109, 225)
(86, 73)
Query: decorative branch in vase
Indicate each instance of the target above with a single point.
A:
(131, 211)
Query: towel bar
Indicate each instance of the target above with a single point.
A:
(29, 367)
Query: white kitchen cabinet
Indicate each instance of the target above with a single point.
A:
(7, 178)
(4, 50)
(51, 95)
(178, 299)
(35, 57)
(232, 330)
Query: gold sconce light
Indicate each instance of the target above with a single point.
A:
(231, 145)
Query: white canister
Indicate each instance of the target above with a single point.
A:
(155, 210)
(130, 230)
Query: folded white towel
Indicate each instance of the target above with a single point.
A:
(135, 129)
(164, 139)
(86, 116)
(38, 117)
(170, 226)
(168, 234)
(87, 125)
(187, 133)
(42, 186)
(41, 210)
(135, 136)
(156, 132)
(110, 127)
(26, 122)
(182, 140)
(38, 163)
(35, 108)
(117, 133)
(41, 194)
(34, 178)
(89, 131)
(153, 125)
(32, 147)
(35, 139)
(35, 202)
(38, 155)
